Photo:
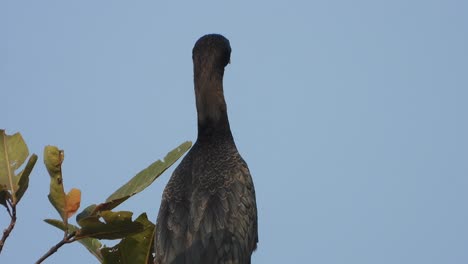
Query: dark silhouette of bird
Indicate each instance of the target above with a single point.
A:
(208, 211)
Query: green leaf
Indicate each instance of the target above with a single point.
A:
(53, 158)
(13, 153)
(91, 244)
(57, 223)
(117, 225)
(23, 178)
(144, 178)
(135, 249)
(87, 212)
(137, 184)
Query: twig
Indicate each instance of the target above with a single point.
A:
(8, 209)
(66, 240)
(7, 231)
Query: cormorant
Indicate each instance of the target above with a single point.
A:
(208, 211)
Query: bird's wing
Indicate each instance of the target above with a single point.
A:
(171, 227)
(223, 225)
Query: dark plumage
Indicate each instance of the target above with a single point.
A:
(208, 212)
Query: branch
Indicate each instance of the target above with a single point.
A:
(7, 231)
(66, 240)
(8, 208)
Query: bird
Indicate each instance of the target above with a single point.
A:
(208, 211)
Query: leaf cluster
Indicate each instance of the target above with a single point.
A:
(98, 221)
(94, 223)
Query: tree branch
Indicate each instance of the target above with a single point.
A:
(8, 208)
(7, 231)
(66, 240)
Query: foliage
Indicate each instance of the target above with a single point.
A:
(13, 154)
(96, 221)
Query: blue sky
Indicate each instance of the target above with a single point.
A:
(352, 116)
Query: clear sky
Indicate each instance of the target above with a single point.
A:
(352, 116)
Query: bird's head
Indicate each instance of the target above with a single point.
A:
(212, 50)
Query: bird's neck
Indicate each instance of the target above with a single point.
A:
(211, 106)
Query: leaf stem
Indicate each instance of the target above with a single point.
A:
(7, 231)
(68, 238)
(8, 208)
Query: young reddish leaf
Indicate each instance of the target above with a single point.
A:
(73, 201)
